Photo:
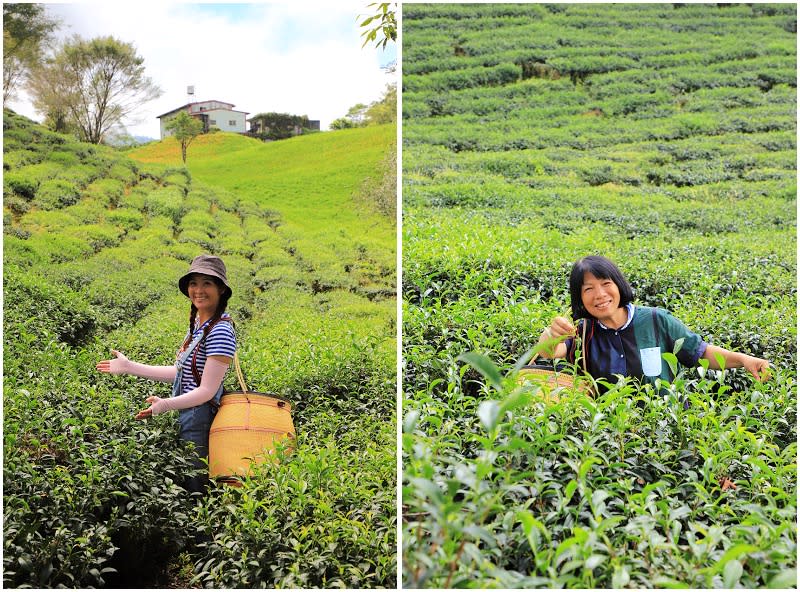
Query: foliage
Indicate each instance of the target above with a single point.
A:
(302, 523)
(84, 482)
(619, 130)
(279, 126)
(185, 129)
(26, 28)
(92, 85)
(385, 29)
(623, 490)
(383, 110)
(379, 112)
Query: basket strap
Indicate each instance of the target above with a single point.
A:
(206, 331)
(583, 347)
(239, 373)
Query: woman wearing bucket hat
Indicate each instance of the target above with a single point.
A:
(201, 363)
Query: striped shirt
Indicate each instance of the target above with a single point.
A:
(635, 349)
(221, 341)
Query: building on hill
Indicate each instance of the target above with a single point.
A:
(278, 126)
(213, 114)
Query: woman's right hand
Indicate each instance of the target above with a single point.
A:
(561, 326)
(119, 365)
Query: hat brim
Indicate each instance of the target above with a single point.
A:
(183, 283)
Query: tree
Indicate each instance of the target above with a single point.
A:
(356, 117)
(26, 28)
(278, 126)
(96, 84)
(377, 112)
(185, 128)
(384, 110)
(385, 30)
(342, 123)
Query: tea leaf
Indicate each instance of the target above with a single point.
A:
(485, 366)
(621, 577)
(786, 578)
(731, 573)
(489, 414)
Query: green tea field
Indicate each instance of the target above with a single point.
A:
(94, 242)
(662, 136)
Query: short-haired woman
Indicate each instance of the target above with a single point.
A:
(201, 363)
(627, 339)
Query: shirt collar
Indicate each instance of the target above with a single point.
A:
(629, 307)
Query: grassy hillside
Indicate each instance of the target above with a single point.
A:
(664, 137)
(94, 242)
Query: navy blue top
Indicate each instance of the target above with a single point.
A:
(635, 348)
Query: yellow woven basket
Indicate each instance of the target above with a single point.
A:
(246, 428)
(553, 383)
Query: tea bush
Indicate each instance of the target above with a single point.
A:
(627, 134)
(84, 489)
(301, 523)
(591, 492)
(84, 483)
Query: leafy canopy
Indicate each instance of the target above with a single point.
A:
(92, 85)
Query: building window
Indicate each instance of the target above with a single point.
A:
(232, 122)
(212, 122)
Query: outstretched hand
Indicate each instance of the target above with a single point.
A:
(119, 365)
(157, 406)
(145, 413)
(757, 367)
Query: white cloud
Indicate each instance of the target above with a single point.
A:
(303, 58)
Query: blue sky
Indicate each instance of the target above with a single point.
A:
(300, 57)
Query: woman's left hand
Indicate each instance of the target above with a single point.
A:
(157, 406)
(757, 367)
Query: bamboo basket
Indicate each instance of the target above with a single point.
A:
(245, 430)
(553, 382)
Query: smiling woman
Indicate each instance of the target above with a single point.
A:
(623, 339)
(201, 362)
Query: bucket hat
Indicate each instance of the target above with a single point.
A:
(207, 265)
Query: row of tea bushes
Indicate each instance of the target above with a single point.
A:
(663, 137)
(91, 496)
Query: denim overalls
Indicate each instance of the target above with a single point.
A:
(195, 422)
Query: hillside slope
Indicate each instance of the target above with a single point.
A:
(93, 245)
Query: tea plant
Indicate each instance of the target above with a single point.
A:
(625, 133)
(92, 497)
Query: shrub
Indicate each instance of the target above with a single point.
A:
(107, 191)
(19, 158)
(59, 248)
(21, 183)
(41, 308)
(80, 175)
(268, 535)
(98, 503)
(167, 202)
(127, 218)
(56, 193)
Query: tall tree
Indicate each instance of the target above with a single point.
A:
(26, 29)
(185, 128)
(98, 83)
